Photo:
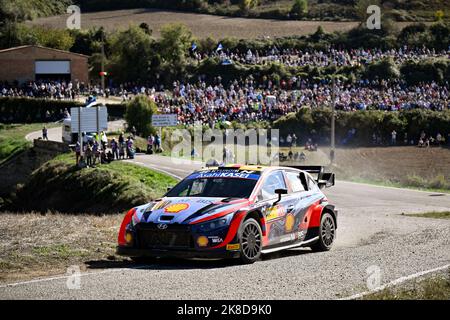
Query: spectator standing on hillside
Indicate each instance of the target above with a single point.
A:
(150, 142)
(104, 140)
(44, 133)
(157, 143)
(121, 138)
(289, 140)
(393, 137)
(77, 152)
(133, 131)
(122, 150)
(114, 149)
(88, 154)
(294, 140)
(95, 152)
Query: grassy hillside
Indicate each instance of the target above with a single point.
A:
(59, 185)
(12, 138)
(19, 10)
(403, 10)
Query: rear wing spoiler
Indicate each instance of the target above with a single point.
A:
(323, 179)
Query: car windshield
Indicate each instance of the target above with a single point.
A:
(222, 184)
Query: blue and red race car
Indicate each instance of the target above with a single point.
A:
(234, 211)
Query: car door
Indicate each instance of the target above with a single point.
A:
(299, 192)
(275, 212)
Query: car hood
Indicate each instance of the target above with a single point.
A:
(185, 210)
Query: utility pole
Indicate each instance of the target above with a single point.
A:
(333, 119)
(102, 73)
(102, 77)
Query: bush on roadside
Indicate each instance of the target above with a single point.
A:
(139, 114)
(315, 123)
(61, 186)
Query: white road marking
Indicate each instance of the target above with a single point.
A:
(396, 282)
(67, 276)
(155, 168)
(394, 188)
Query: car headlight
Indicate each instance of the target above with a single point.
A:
(215, 224)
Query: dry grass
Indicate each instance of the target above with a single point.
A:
(436, 287)
(407, 166)
(202, 25)
(34, 245)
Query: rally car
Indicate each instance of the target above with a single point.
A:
(234, 211)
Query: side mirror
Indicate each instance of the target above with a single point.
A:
(327, 180)
(280, 192)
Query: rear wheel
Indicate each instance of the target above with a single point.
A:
(327, 233)
(250, 237)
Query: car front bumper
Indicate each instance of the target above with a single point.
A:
(188, 253)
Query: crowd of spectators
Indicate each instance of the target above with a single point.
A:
(245, 101)
(323, 58)
(265, 99)
(47, 89)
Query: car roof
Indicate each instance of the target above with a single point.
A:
(250, 167)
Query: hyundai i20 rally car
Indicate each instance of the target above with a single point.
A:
(234, 211)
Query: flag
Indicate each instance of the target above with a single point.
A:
(219, 47)
(227, 62)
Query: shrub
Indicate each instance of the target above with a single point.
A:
(139, 113)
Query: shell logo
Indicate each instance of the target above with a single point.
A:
(289, 225)
(176, 207)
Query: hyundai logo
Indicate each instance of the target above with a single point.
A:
(162, 226)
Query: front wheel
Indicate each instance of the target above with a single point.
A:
(327, 233)
(250, 237)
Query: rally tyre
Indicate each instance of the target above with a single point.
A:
(250, 240)
(327, 233)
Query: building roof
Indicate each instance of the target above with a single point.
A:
(45, 48)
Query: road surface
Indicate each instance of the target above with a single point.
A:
(376, 244)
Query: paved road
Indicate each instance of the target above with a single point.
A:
(372, 234)
(55, 134)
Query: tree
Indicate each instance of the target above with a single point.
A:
(246, 5)
(132, 52)
(174, 44)
(139, 114)
(299, 8)
(439, 15)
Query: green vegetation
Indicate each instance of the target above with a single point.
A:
(12, 138)
(434, 288)
(60, 186)
(433, 214)
(366, 123)
(299, 8)
(19, 10)
(386, 182)
(139, 114)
